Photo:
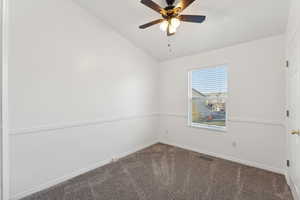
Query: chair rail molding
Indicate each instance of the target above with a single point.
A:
(235, 119)
(50, 127)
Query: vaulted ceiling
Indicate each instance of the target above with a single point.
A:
(228, 22)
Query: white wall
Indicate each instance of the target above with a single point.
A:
(293, 55)
(4, 104)
(255, 104)
(1, 133)
(79, 94)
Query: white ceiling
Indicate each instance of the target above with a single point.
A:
(228, 22)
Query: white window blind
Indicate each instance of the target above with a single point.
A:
(207, 97)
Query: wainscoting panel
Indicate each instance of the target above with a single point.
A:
(44, 156)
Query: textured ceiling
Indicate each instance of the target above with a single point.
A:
(228, 22)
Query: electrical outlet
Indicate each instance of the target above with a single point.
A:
(166, 135)
(234, 144)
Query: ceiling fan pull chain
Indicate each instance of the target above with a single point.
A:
(170, 48)
(169, 44)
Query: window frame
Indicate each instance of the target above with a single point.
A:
(189, 108)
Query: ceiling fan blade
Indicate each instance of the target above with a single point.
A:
(192, 18)
(183, 4)
(153, 6)
(151, 23)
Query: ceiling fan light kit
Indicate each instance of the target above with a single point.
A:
(171, 16)
(164, 25)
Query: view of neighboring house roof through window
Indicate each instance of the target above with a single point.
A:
(209, 94)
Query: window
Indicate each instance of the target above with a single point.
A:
(207, 97)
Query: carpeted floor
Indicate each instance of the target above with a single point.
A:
(163, 172)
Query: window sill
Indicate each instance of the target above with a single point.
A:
(211, 128)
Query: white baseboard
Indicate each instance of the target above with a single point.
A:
(294, 189)
(79, 172)
(230, 158)
(287, 178)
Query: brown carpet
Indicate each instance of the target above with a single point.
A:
(163, 172)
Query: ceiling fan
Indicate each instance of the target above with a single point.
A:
(171, 16)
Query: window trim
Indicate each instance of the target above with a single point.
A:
(198, 125)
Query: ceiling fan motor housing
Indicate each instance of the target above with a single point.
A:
(171, 14)
(170, 2)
